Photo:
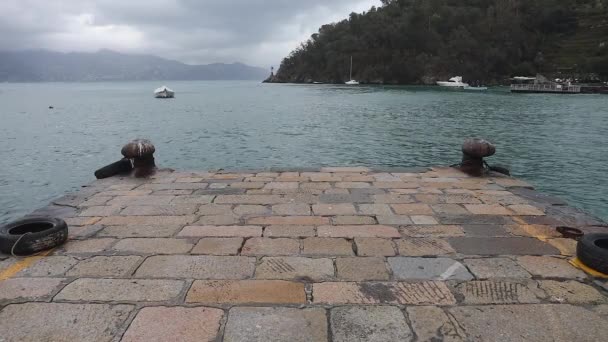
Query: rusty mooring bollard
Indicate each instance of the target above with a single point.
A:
(141, 152)
(473, 152)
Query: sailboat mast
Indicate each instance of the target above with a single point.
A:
(351, 67)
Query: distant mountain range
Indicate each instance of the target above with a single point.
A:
(106, 65)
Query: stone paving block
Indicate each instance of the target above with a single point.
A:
(334, 191)
(486, 230)
(62, 322)
(147, 220)
(221, 231)
(88, 246)
(174, 186)
(361, 268)
(268, 246)
(215, 209)
(197, 267)
(247, 185)
(475, 219)
(449, 209)
(334, 209)
(295, 209)
(95, 201)
(159, 210)
(432, 231)
(105, 266)
(172, 192)
(565, 246)
(189, 180)
(29, 289)
(549, 267)
(251, 209)
(289, 220)
(423, 220)
(81, 221)
(375, 209)
(281, 185)
(499, 292)
(535, 322)
(358, 231)
(340, 198)
(423, 247)
(488, 209)
(315, 246)
(352, 185)
(154, 246)
(82, 232)
(50, 266)
(412, 209)
(218, 246)
(360, 178)
(526, 209)
(571, 292)
(396, 220)
(127, 193)
(139, 231)
(217, 189)
(430, 323)
(316, 185)
(406, 268)
(392, 199)
(352, 220)
(374, 247)
(491, 268)
(534, 230)
(110, 290)
(418, 293)
(193, 199)
(366, 191)
(140, 200)
(369, 323)
(100, 211)
(218, 220)
(295, 268)
(179, 324)
(246, 292)
(250, 199)
(289, 231)
(501, 246)
(276, 324)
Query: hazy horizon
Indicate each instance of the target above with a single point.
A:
(253, 32)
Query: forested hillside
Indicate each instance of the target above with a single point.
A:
(420, 41)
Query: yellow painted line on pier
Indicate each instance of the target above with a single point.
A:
(577, 263)
(20, 265)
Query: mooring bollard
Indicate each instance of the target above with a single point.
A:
(473, 152)
(141, 152)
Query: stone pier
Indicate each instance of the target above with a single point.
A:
(332, 254)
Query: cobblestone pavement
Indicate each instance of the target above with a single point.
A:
(336, 254)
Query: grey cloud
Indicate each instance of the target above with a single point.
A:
(258, 32)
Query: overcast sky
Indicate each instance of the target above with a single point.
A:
(257, 32)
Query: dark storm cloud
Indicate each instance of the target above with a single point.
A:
(258, 32)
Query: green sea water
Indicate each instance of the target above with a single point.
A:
(557, 143)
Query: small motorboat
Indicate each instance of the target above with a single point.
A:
(164, 93)
(454, 82)
(352, 82)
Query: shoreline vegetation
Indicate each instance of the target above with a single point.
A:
(416, 42)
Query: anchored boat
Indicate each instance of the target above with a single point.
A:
(454, 82)
(164, 93)
(351, 82)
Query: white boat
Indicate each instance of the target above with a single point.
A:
(453, 82)
(351, 82)
(164, 93)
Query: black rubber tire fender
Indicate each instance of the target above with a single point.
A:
(32, 235)
(592, 250)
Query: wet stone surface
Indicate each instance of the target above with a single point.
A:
(332, 254)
